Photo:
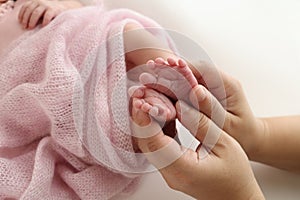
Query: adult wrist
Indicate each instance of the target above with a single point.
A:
(259, 139)
(252, 192)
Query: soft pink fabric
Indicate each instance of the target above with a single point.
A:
(64, 128)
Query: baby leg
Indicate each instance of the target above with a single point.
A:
(152, 102)
(171, 77)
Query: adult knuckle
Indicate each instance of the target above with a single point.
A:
(214, 105)
(236, 84)
(202, 122)
(152, 146)
(233, 126)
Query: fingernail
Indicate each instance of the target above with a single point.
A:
(160, 61)
(151, 64)
(182, 63)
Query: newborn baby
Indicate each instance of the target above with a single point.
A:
(16, 17)
(172, 79)
(34, 11)
(74, 82)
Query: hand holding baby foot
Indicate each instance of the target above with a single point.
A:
(225, 169)
(172, 78)
(153, 103)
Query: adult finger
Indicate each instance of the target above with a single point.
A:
(174, 162)
(204, 101)
(159, 149)
(36, 16)
(205, 130)
(227, 90)
(211, 77)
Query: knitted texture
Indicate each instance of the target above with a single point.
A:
(64, 127)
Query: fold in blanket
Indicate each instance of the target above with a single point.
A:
(64, 127)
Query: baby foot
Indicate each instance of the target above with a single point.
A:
(152, 102)
(172, 78)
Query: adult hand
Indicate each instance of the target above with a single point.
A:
(34, 11)
(222, 101)
(224, 173)
(227, 106)
(262, 139)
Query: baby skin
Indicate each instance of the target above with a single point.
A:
(171, 79)
(5, 6)
(34, 12)
(152, 102)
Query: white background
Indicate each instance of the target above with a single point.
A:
(258, 42)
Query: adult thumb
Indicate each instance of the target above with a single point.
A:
(160, 149)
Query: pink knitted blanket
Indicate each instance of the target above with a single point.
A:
(64, 128)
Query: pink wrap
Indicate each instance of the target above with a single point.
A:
(64, 128)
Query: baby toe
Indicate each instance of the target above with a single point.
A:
(154, 111)
(151, 63)
(137, 103)
(146, 107)
(172, 62)
(160, 61)
(182, 63)
(136, 91)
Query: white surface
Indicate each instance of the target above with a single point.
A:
(256, 41)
